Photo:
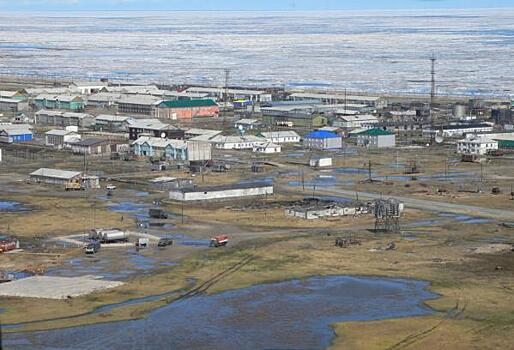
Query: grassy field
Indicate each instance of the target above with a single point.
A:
(475, 308)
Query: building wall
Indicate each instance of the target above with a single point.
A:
(135, 108)
(323, 143)
(376, 141)
(51, 180)
(187, 113)
(19, 137)
(220, 195)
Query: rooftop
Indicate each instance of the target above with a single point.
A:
(56, 173)
(321, 134)
(375, 132)
(257, 184)
(187, 103)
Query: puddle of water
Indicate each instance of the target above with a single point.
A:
(196, 242)
(433, 222)
(293, 314)
(142, 262)
(465, 219)
(353, 171)
(12, 207)
(295, 155)
(334, 199)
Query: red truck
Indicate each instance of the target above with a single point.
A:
(8, 245)
(219, 241)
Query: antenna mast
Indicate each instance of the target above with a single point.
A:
(433, 60)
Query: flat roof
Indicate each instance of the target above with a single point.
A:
(242, 186)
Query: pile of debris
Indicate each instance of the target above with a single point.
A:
(346, 242)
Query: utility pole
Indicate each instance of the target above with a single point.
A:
(433, 60)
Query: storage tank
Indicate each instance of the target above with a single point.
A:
(459, 111)
(111, 235)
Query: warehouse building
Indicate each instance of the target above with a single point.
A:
(63, 119)
(279, 137)
(186, 109)
(454, 130)
(222, 192)
(55, 176)
(356, 121)
(373, 101)
(93, 146)
(73, 103)
(233, 94)
(236, 142)
(295, 119)
(104, 122)
(376, 138)
(138, 104)
(11, 105)
(154, 128)
(323, 140)
(319, 211)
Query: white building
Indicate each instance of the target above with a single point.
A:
(478, 145)
(376, 138)
(233, 94)
(248, 124)
(454, 130)
(279, 137)
(236, 142)
(356, 121)
(267, 148)
(374, 101)
(58, 137)
(222, 192)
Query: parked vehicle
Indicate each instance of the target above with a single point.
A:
(219, 241)
(74, 186)
(93, 247)
(8, 245)
(108, 235)
(164, 242)
(157, 213)
(142, 242)
(110, 187)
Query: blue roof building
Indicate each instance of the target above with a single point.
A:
(323, 140)
(15, 133)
